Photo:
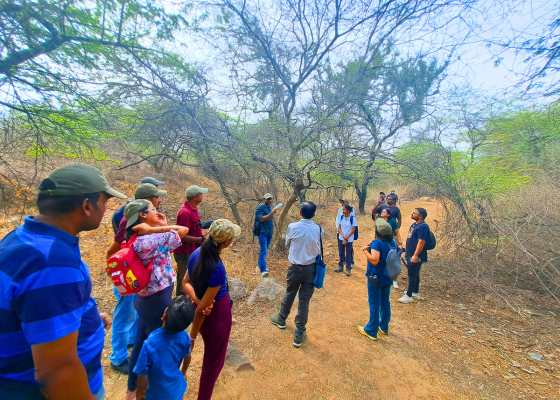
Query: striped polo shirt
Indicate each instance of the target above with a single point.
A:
(45, 291)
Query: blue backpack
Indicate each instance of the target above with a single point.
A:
(352, 223)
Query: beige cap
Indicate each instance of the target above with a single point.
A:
(267, 196)
(382, 227)
(223, 229)
(194, 190)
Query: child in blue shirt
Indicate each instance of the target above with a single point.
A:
(165, 349)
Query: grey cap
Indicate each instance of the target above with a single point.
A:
(194, 190)
(267, 196)
(146, 190)
(76, 180)
(153, 181)
(344, 200)
(132, 210)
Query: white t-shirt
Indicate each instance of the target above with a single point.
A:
(346, 227)
(340, 214)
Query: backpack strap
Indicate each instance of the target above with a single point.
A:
(321, 241)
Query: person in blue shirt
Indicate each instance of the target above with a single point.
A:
(52, 335)
(165, 349)
(378, 294)
(264, 214)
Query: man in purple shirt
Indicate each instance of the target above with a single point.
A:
(125, 318)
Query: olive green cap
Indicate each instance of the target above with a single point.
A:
(267, 196)
(223, 229)
(382, 227)
(132, 209)
(78, 179)
(194, 190)
(146, 190)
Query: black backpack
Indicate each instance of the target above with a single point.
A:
(431, 242)
(351, 223)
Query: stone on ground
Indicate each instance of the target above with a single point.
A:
(236, 289)
(267, 290)
(237, 360)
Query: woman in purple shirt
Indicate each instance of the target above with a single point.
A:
(206, 285)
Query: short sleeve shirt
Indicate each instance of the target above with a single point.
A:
(45, 294)
(188, 216)
(416, 232)
(157, 246)
(395, 211)
(267, 227)
(218, 277)
(160, 359)
(346, 225)
(383, 248)
(394, 225)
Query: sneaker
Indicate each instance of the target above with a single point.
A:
(395, 285)
(299, 339)
(381, 330)
(348, 272)
(264, 273)
(339, 269)
(405, 299)
(417, 296)
(363, 332)
(279, 322)
(122, 367)
(352, 265)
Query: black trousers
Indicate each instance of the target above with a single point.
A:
(182, 261)
(413, 277)
(345, 254)
(299, 278)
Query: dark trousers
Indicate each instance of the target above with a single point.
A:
(345, 254)
(413, 277)
(150, 310)
(215, 332)
(182, 261)
(299, 278)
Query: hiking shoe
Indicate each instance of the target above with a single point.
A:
(363, 332)
(264, 274)
(339, 269)
(348, 272)
(352, 265)
(381, 330)
(395, 285)
(279, 322)
(405, 299)
(299, 339)
(417, 296)
(122, 367)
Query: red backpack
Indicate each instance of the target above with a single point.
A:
(127, 271)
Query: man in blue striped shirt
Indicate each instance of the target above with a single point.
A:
(51, 333)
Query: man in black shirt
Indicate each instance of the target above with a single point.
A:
(416, 254)
(395, 211)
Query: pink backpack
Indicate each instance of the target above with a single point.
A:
(128, 273)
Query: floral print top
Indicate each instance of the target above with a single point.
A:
(159, 247)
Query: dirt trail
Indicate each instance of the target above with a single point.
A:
(427, 355)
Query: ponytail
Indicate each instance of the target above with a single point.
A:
(207, 261)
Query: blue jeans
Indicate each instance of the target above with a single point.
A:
(379, 308)
(264, 242)
(125, 327)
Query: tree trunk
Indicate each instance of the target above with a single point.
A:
(280, 231)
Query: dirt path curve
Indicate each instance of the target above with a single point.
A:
(336, 362)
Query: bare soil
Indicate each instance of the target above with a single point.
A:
(462, 342)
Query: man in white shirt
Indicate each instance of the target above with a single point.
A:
(303, 240)
(346, 228)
